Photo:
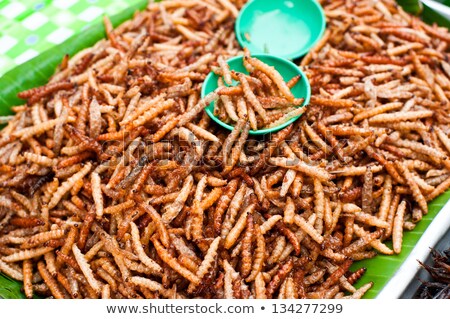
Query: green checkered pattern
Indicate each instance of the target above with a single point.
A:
(29, 27)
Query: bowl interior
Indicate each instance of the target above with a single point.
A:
(287, 29)
(286, 68)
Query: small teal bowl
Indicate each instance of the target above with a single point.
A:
(285, 28)
(286, 68)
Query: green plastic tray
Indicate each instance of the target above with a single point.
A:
(37, 71)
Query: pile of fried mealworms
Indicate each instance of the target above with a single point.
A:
(114, 183)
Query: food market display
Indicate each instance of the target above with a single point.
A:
(114, 183)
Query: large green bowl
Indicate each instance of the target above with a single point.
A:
(288, 29)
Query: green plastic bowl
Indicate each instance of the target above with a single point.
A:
(286, 68)
(285, 28)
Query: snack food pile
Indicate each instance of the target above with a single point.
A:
(114, 183)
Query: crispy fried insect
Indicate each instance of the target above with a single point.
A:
(400, 116)
(92, 252)
(397, 228)
(278, 248)
(367, 192)
(51, 283)
(114, 209)
(228, 144)
(237, 149)
(211, 198)
(67, 185)
(300, 166)
(230, 276)
(34, 95)
(270, 223)
(315, 138)
(417, 194)
(288, 180)
(246, 251)
(273, 74)
(38, 129)
(439, 189)
(252, 118)
(259, 254)
(40, 238)
(332, 102)
(196, 227)
(95, 124)
(86, 269)
(369, 219)
(279, 277)
(172, 210)
(260, 287)
(173, 263)
(40, 159)
(251, 97)
(358, 294)
(336, 275)
(350, 195)
(209, 259)
(152, 113)
(228, 105)
(85, 229)
(159, 221)
(234, 233)
(97, 194)
(223, 203)
(287, 116)
(377, 244)
(27, 254)
(386, 198)
(319, 204)
(106, 292)
(26, 222)
(361, 243)
(289, 211)
(137, 246)
(233, 210)
(377, 110)
(28, 278)
(308, 228)
(202, 133)
(152, 285)
(11, 271)
(189, 115)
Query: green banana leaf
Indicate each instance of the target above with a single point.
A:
(412, 6)
(37, 71)
(10, 289)
(430, 16)
(427, 14)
